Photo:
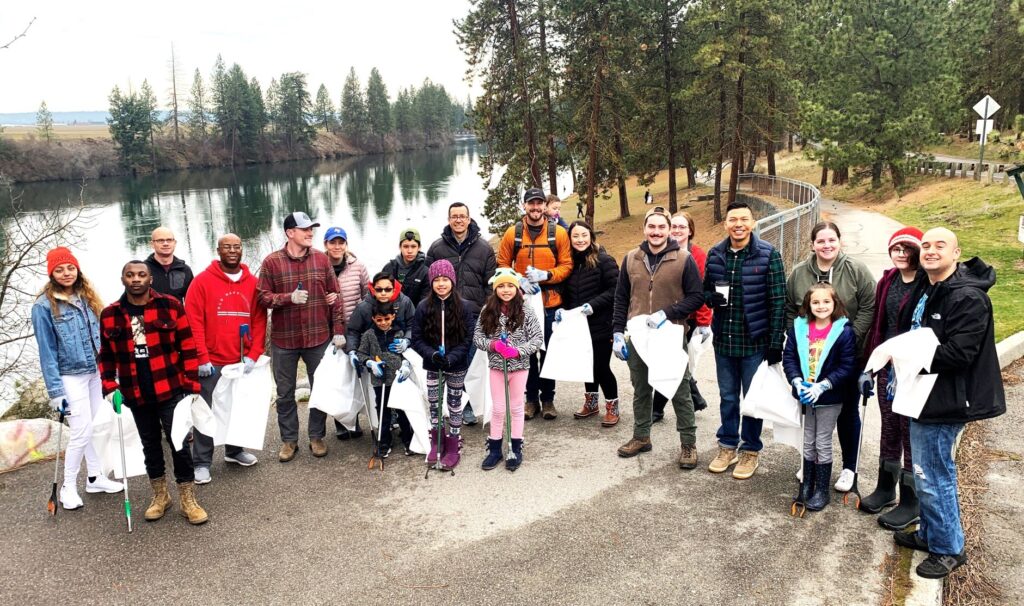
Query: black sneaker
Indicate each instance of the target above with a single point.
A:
(409, 452)
(657, 417)
(938, 566)
(910, 540)
(385, 451)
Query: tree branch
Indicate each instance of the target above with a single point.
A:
(21, 35)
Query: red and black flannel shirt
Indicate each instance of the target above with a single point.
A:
(300, 326)
(172, 351)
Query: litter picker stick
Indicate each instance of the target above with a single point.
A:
(377, 457)
(508, 407)
(51, 505)
(440, 405)
(124, 465)
(856, 467)
(243, 332)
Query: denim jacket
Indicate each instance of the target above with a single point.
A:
(67, 342)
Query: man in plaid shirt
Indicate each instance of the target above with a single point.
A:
(745, 280)
(148, 353)
(298, 285)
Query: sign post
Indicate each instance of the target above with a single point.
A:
(984, 108)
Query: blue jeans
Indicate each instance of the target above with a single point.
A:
(734, 373)
(932, 446)
(534, 383)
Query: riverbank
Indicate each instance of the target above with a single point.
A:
(28, 159)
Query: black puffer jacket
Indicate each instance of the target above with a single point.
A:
(958, 310)
(595, 286)
(173, 281)
(473, 260)
(413, 276)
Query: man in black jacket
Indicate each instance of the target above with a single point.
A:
(171, 275)
(953, 303)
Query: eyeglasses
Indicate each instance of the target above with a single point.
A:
(385, 289)
(458, 217)
(164, 241)
(231, 247)
(899, 250)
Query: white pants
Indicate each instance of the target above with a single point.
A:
(84, 394)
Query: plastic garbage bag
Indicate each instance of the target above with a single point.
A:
(411, 397)
(108, 447)
(770, 397)
(191, 411)
(910, 353)
(536, 303)
(662, 350)
(478, 387)
(241, 405)
(696, 348)
(336, 390)
(570, 353)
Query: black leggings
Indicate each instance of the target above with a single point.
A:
(603, 375)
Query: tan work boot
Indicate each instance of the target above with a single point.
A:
(611, 415)
(531, 409)
(189, 508)
(547, 410)
(635, 446)
(688, 456)
(747, 465)
(725, 458)
(318, 447)
(287, 452)
(161, 500)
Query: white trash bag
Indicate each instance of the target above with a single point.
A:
(192, 411)
(336, 390)
(241, 405)
(108, 447)
(770, 397)
(570, 352)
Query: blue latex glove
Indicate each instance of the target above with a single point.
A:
(537, 275)
(586, 310)
(354, 359)
(249, 365)
(206, 370)
(814, 392)
(656, 319)
(558, 316)
(528, 287)
(376, 367)
(399, 346)
(405, 371)
(800, 386)
(866, 385)
(619, 346)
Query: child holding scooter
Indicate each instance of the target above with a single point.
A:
(510, 333)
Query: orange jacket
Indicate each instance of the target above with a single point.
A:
(538, 254)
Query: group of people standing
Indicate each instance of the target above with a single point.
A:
(170, 334)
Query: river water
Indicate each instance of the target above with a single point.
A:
(372, 198)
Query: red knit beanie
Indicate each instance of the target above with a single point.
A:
(908, 236)
(60, 256)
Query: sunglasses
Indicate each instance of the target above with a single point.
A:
(384, 289)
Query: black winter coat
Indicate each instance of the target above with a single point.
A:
(838, 365)
(173, 281)
(473, 260)
(594, 285)
(958, 310)
(413, 276)
(457, 354)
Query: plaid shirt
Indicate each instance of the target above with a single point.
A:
(173, 362)
(734, 338)
(300, 326)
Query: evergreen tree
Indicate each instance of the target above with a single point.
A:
(44, 123)
(353, 107)
(149, 101)
(378, 108)
(323, 110)
(198, 112)
(130, 126)
(293, 120)
(402, 111)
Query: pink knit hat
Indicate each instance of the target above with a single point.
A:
(441, 268)
(908, 236)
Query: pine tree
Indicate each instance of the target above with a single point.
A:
(353, 107)
(130, 127)
(149, 103)
(378, 108)
(198, 112)
(44, 123)
(323, 110)
(293, 117)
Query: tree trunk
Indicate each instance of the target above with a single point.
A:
(789, 143)
(691, 174)
(548, 113)
(595, 123)
(670, 128)
(824, 176)
(719, 155)
(876, 175)
(623, 199)
(520, 70)
(897, 174)
(737, 133)
(769, 142)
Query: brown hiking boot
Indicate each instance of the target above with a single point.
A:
(747, 465)
(318, 447)
(189, 508)
(161, 500)
(547, 409)
(688, 456)
(531, 409)
(590, 406)
(635, 446)
(722, 461)
(287, 452)
(611, 415)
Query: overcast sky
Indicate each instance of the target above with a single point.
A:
(76, 51)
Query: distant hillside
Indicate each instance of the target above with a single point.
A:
(29, 118)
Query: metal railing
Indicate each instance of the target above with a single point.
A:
(789, 231)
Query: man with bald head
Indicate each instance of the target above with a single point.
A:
(953, 303)
(219, 302)
(171, 275)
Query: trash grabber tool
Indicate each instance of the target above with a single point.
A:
(377, 457)
(440, 405)
(363, 380)
(124, 464)
(243, 332)
(798, 508)
(51, 505)
(860, 446)
(507, 441)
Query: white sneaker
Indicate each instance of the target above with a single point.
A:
(103, 484)
(69, 497)
(845, 481)
(202, 475)
(800, 474)
(245, 459)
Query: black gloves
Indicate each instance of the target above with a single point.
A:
(774, 356)
(715, 299)
(439, 360)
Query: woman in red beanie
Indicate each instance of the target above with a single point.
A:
(65, 320)
(891, 295)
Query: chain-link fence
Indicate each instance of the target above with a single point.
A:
(789, 231)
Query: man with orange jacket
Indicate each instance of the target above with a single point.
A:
(540, 251)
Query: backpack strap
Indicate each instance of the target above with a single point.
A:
(517, 244)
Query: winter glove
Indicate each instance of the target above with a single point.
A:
(528, 287)
(619, 346)
(206, 370)
(704, 332)
(249, 364)
(59, 405)
(405, 371)
(811, 395)
(399, 346)
(773, 356)
(505, 350)
(537, 275)
(299, 296)
(558, 316)
(377, 368)
(439, 360)
(866, 384)
(586, 310)
(800, 386)
(354, 359)
(338, 341)
(656, 319)
(715, 299)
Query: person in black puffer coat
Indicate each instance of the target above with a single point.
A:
(472, 257)
(410, 266)
(592, 285)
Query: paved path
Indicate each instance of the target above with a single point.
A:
(576, 524)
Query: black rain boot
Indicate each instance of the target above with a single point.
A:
(885, 491)
(822, 476)
(517, 452)
(493, 455)
(909, 510)
(806, 487)
(699, 403)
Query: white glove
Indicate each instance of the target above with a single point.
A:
(206, 370)
(249, 365)
(354, 359)
(299, 297)
(619, 346)
(656, 319)
(558, 316)
(56, 404)
(537, 275)
(814, 392)
(586, 310)
(704, 332)
(339, 341)
(405, 371)
(528, 287)
(376, 367)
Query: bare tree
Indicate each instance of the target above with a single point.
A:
(21, 35)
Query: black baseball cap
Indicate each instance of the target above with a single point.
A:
(534, 193)
(300, 220)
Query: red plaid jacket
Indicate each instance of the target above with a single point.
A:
(172, 350)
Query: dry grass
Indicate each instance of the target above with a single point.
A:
(60, 131)
(895, 572)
